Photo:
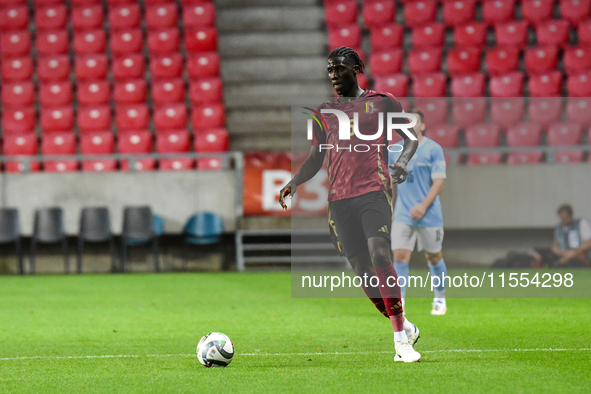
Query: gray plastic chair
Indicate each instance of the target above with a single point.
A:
(95, 226)
(48, 228)
(10, 232)
(138, 229)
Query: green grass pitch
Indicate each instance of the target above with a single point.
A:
(137, 334)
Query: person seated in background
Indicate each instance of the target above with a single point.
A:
(572, 241)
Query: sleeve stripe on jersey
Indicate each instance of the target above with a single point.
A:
(438, 175)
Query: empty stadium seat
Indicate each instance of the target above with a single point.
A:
(570, 156)
(429, 85)
(99, 165)
(472, 34)
(563, 134)
(502, 60)
(507, 111)
(126, 16)
(203, 65)
(125, 42)
(56, 119)
(340, 13)
(508, 85)
(95, 118)
(14, 17)
(53, 68)
(181, 164)
(209, 116)
(16, 43)
(58, 144)
(133, 91)
(498, 11)
(161, 15)
(537, 11)
(174, 142)
(471, 85)
(511, 34)
(93, 66)
(553, 32)
(541, 59)
(424, 60)
(196, 15)
(87, 17)
(168, 91)
(18, 120)
(579, 85)
(97, 143)
(93, 92)
(167, 66)
(419, 13)
(459, 12)
(209, 163)
(378, 13)
(396, 84)
(577, 59)
(574, 11)
(584, 32)
(489, 158)
(203, 39)
(524, 134)
(545, 85)
(525, 157)
(578, 110)
(56, 94)
(387, 37)
(483, 135)
(435, 110)
(90, 41)
(51, 17)
(164, 41)
(17, 69)
(344, 36)
(132, 117)
(170, 117)
(136, 142)
(207, 90)
(430, 35)
(544, 111)
(60, 166)
(131, 66)
(18, 94)
(468, 111)
(386, 62)
(461, 61)
(214, 140)
(20, 145)
(446, 135)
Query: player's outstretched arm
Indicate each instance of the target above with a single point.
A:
(311, 166)
(408, 150)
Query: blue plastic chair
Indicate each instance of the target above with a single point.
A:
(204, 228)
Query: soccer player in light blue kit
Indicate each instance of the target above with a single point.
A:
(417, 214)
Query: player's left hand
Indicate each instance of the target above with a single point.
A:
(568, 255)
(399, 174)
(417, 212)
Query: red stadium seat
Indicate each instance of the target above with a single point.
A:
(133, 91)
(183, 164)
(55, 94)
(17, 69)
(128, 67)
(564, 134)
(97, 143)
(126, 16)
(164, 41)
(94, 92)
(553, 32)
(18, 120)
(508, 85)
(132, 117)
(167, 66)
(537, 11)
(569, 156)
(95, 118)
(43, 3)
(429, 85)
(478, 159)
(16, 43)
(386, 62)
(90, 41)
(53, 68)
(471, 85)
(136, 142)
(511, 34)
(118, 2)
(168, 91)
(91, 67)
(541, 59)
(459, 12)
(579, 85)
(209, 116)
(507, 111)
(419, 13)
(524, 134)
(197, 15)
(545, 85)
(446, 135)
(498, 11)
(396, 84)
(435, 110)
(207, 90)
(425, 60)
(173, 142)
(51, 17)
(57, 119)
(203, 65)
(340, 13)
(544, 111)
(86, 2)
(215, 140)
(14, 17)
(462, 61)
(87, 17)
(386, 37)
(472, 34)
(99, 165)
(501, 60)
(209, 163)
(344, 36)
(161, 15)
(60, 166)
(20, 145)
(584, 32)
(574, 11)
(378, 13)
(18, 94)
(431, 35)
(577, 59)
(125, 42)
(170, 117)
(483, 135)
(201, 40)
(525, 157)
(578, 110)
(58, 144)
(468, 111)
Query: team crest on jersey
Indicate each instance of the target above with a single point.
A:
(369, 107)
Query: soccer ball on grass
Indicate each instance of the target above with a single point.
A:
(215, 350)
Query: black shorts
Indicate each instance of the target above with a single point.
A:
(354, 220)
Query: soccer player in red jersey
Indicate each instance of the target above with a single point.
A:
(360, 193)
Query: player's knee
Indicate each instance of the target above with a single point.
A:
(380, 256)
(434, 258)
(402, 256)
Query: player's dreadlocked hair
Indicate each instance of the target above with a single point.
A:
(348, 53)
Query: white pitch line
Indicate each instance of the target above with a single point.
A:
(287, 354)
